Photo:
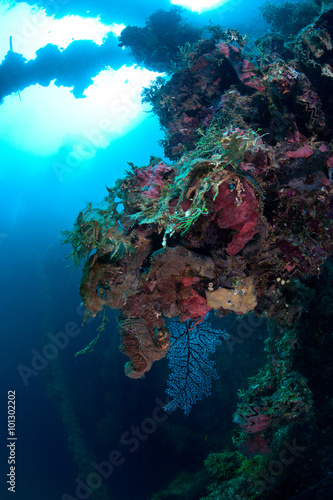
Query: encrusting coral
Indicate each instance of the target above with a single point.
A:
(240, 300)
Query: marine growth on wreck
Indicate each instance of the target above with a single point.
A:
(237, 220)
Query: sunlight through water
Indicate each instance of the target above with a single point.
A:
(41, 120)
(199, 5)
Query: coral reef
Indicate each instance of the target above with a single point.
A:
(299, 15)
(156, 44)
(240, 220)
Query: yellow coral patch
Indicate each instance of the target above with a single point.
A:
(240, 300)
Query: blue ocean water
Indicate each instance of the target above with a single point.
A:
(72, 413)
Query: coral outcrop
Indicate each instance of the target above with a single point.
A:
(240, 220)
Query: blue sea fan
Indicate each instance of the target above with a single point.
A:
(191, 369)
